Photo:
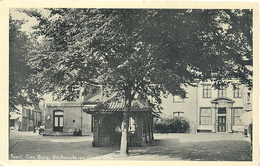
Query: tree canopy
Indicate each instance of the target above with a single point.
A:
(156, 47)
(22, 88)
(140, 53)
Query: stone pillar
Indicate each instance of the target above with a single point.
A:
(213, 112)
(229, 126)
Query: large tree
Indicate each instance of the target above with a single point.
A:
(22, 88)
(141, 53)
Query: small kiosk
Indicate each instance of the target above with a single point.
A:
(107, 120)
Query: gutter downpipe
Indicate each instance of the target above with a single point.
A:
(196, 125)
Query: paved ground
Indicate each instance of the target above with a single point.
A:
(190, 147)
(28, 145)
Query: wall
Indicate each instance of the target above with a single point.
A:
(71, 115)
(72, 119)
(194, 102)
(188, 107)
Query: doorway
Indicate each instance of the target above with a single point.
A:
(58, 120)
(222, 124)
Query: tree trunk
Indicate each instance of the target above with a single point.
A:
(124, 129)
(124, 136)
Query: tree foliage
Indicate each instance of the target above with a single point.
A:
(146, 48)
(141, 53)
(22, 88)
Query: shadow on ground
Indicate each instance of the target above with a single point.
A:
(224, 150)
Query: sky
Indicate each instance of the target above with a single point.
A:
(31, 21)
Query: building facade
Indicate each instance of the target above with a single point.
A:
(63, 117)
(26, 119)
(226, 109)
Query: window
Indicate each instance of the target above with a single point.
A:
(178, 114)
(132, 125)
(248, 98)
(205, 116)
(206, 91)
(222, 110)
(222, 92)
(237, 116)
(237, 91)
(177, 98)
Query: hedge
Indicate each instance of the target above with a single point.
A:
(172, 125)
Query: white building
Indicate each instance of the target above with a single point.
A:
(228, 109)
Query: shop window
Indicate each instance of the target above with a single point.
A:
(206, 91)
(237, 120)
(205, 116)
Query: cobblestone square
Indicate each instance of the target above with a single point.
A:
(178, 147)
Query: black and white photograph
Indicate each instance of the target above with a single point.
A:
(170, 83)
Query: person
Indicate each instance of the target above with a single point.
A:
(250, 128)
(41, 129)
(77, 132)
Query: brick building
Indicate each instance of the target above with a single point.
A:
(63, 117)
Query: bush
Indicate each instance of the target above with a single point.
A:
(172, 125)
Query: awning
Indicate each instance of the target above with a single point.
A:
(14, 116)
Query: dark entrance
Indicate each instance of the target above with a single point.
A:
(58, 120)
(221, 124)
(11, 123)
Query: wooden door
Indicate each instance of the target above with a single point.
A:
(58, 121)
(221, 124)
